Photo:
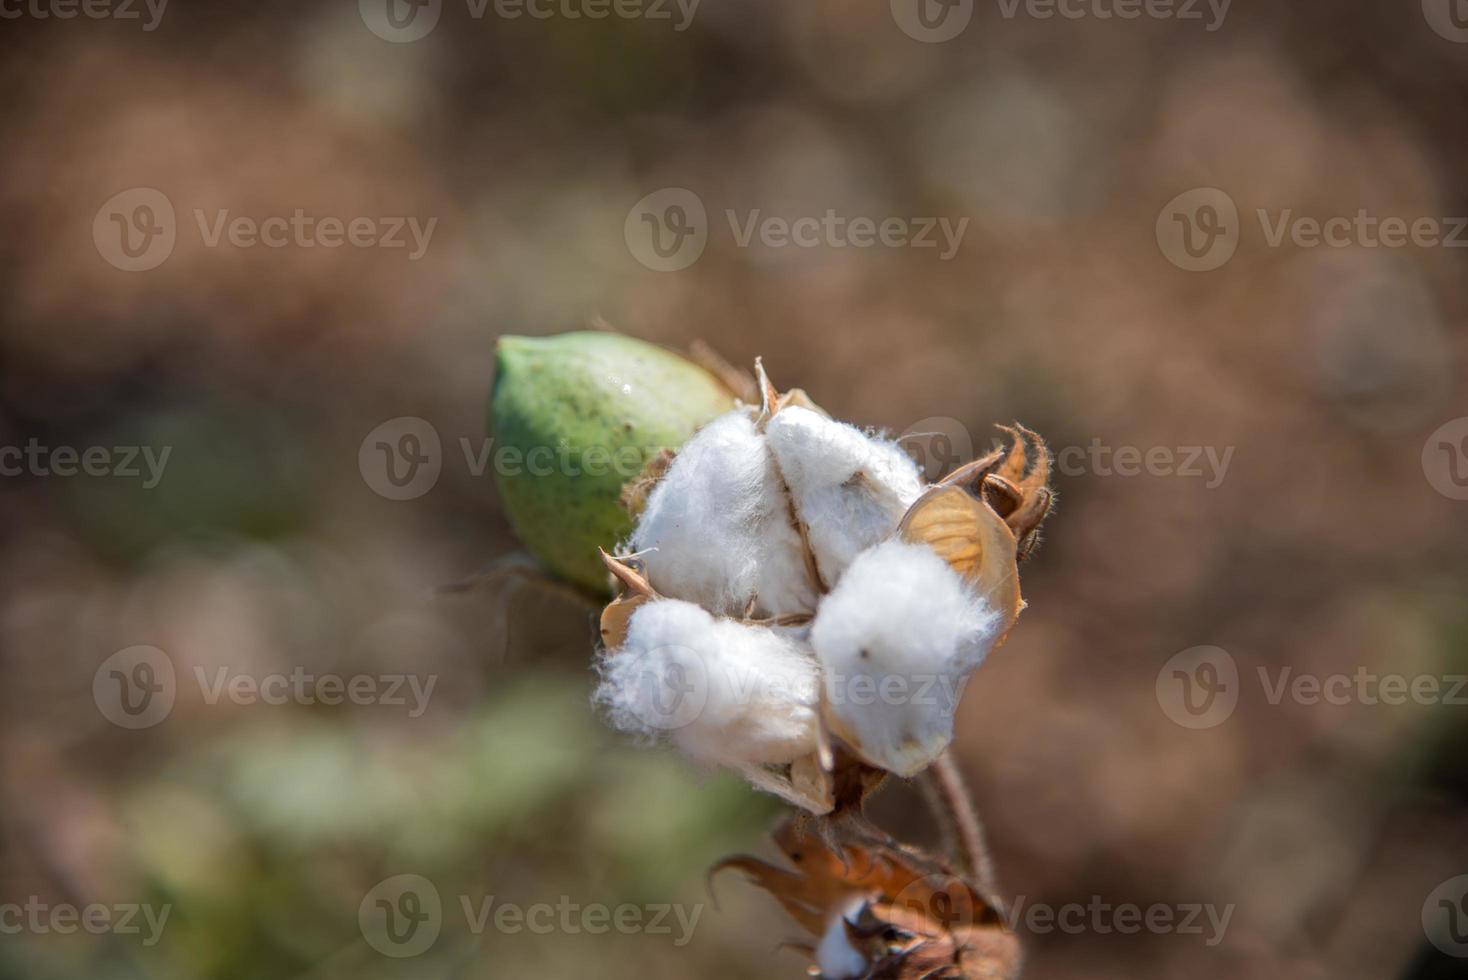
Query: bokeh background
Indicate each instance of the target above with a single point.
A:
(1332, 543)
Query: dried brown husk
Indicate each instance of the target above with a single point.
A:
(915, 916)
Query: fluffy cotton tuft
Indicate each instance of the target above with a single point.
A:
(725, 692)
(720, 523)
(836, 955)
(896, 638)
(850, 490)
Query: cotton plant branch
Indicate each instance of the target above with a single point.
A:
(769, 564)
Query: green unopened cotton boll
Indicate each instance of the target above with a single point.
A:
(574, 417)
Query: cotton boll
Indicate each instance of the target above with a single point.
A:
(720, 525)
(896, 638)
(725, 692)
(850, 490)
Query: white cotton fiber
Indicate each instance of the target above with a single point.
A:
(724, 692)
(721, 526)
(896, 638)
(836, 954)
(850, 490)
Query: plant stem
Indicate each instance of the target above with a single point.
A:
(958, 813)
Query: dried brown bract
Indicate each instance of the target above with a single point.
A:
(878, 909)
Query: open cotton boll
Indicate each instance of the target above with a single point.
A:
(850, 490)
(896, 638)
(720, 525)
(724, 692)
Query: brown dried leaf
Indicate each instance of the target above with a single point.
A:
(917, 918)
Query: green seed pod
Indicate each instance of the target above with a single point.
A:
(576, 416)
